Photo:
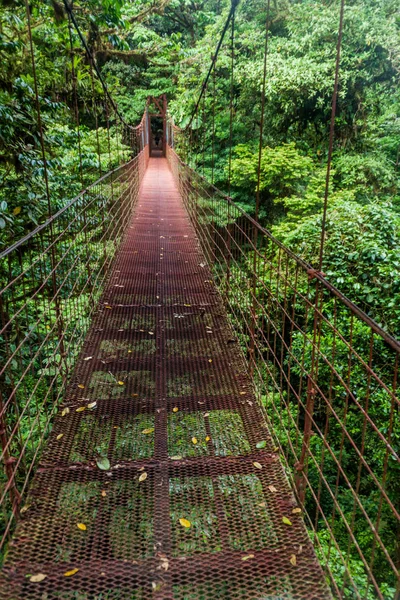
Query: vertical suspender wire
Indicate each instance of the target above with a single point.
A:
(257, 211)
(213, 127)
(83, 201)
(302, 465)
(228, 228)
(56, 298)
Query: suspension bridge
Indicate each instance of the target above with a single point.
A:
(175, 418)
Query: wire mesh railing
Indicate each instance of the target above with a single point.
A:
(326, 377)
(51, 281)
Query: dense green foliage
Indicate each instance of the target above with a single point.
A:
(164, 46)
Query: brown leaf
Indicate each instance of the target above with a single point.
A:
(296, 511)
(272, 488)
(37, 578)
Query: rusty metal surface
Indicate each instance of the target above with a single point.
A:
(165, 393)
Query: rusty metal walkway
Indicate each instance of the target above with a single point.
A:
(194, 503)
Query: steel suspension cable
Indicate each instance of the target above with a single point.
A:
(234, 4)
(331, 136)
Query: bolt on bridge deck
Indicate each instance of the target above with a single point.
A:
(195, 504)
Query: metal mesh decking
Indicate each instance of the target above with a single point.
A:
(190, 508)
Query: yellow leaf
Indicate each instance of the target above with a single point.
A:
(25, 508)
(143, 477)
(210, 360)
(107, 306)
(175, 409)
(65, 412)
(257, 465)
(286, 521)
(81, 526)
(104, 493)
(60, 435)
(248, 557)
(149, 430)
(129, 351)
(272, 488)
(16, 212)
(121, 382)
(208, 438)
(194, 440)
(81, 386)
(293, 560)
(185, 523)
(262, 504)
(296, 511)
(243, 393)
(80, 409)
(37, 578)
(71, 572)
(92, 405)
(176, 457)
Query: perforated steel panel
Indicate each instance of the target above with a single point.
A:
(190, 508)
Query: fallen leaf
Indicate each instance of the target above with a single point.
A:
(107, 306)
(210, 360)
(272, 488)
(206, 415)
(194, 440)
(208, 438)
(248, 557)
(149, 430)
(92, 405)
(81, 386)
(104, 493)
(261, 444)
(164, 563)
(151, 332)
(135, 395)
(24, 509)
(293, 560)
(257, 465)
(286, 521)
(60, 435)
(296, 511)
(185, 523)
(143, 477)
(176, 457)
(88, 358)
(175, 409)
(81, 526)
(65, 412)
(16, 212)
(80, 409)
(262, 504)
(37, 578)
(243, 393)
(121, 382)
(103, 463)
(71, 572)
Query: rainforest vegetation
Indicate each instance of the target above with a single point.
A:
(152, 47)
